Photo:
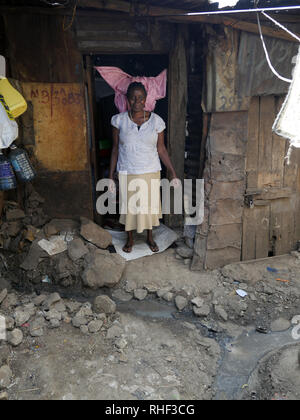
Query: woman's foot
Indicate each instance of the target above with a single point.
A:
(129, 244)
(152, 245)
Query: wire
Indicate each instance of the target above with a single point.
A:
(267, 55)
(65, 28)
(281, 26)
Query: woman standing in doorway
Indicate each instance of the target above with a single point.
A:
(138, 146)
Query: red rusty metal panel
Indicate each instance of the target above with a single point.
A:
(59, 125)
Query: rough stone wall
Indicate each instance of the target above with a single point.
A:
(219, 239)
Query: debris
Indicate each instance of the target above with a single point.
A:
(95, 326)
(77, 249)
(46, 279)
(181, 302)
(103, 304)
(15, 337)
(283, 280)
(140, 294)
(95, 234)
(103, 270)
(241, 293)
(55, 245)
(198, 301)
(204, 310)
(5, 376)
(3, 295)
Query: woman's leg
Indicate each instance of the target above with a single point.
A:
(152, 244)
(129, 243)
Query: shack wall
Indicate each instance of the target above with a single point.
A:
(251, 194)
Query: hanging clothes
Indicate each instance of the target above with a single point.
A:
(287, 123)
(119, 81)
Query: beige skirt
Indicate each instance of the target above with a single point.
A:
(141, 209)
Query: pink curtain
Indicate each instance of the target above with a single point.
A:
(119, 81)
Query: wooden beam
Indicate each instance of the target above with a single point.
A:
(234, 23)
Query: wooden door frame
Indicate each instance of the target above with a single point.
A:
(177, 104)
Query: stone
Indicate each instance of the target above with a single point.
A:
(103, 304)
(59, 306)
(280, 324)
(140, 294)
(121, 343)
(50, 300)
(220, 311)
(39, 300)
(14, 214)
(184, 251)
(15, 337)
(3, 295)
(77, 249)
(78, 321)
(21, 317)
(95, 326)
(168, 296)
(3, 396)
(162, 292)
(36, 328)
(4, 353)
(121, 295)
(13, 228)
(103, 270)
(130, 285)
(197, 301)
(84, 329)
(203, 311)
(181, 302)
(60, 225)
(10, 301)
(9, 323)
(95, 234)
(5, 376)
(114, 332)
(53, 314)
(54, 323)
(73, 306)
(33, 257)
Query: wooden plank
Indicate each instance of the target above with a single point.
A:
(282, 225)
(278, 150)
(267, 117)
(177, 110)
(249, 234)
(253, 144)
(262, 241)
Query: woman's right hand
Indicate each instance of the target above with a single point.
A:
(112, 187)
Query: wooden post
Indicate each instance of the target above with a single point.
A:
(177, 110)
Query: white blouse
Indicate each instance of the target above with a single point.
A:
(138, 147)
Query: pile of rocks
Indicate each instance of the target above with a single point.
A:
(30, 316)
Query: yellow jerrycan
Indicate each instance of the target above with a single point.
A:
(12, 98)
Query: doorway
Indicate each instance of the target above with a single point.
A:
(102, 108)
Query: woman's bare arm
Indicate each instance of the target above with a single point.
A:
(164, 155)
(114, 152)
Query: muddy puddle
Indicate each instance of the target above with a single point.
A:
(240, 357)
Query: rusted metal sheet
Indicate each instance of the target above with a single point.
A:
(59, 125)
(254, 77)
(221, 70)
(39, 50)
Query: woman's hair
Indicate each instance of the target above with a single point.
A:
(135, 85)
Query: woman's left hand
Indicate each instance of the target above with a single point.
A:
(175, 182)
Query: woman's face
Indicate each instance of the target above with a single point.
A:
(137, 100)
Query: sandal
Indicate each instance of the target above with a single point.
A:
(127, 247)
(153, 246)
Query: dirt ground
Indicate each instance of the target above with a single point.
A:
(226, 347)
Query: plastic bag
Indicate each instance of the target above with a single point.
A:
(8, 129)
